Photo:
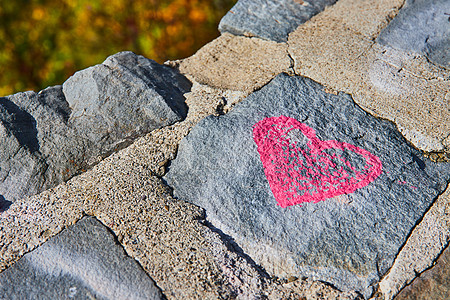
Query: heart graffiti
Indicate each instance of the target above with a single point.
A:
(302, 168)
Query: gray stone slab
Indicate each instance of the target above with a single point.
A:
(38, 148)
(291, 142)
(125, 97)
(422, 26)
(270, 19)
(82, 262)
(48, 137)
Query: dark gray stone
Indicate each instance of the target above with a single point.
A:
(38, 148)
(50, 136)
(4, 204)
(349, 241)
(125, 97)
(82, 262)
(270, 19)
(422, 26)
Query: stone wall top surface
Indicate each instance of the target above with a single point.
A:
(305, 149)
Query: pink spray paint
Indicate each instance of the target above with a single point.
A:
(311, 171)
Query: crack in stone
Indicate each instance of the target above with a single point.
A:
(384, 280)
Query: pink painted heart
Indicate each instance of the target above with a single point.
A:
(302, 168)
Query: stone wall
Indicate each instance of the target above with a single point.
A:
(303, 153)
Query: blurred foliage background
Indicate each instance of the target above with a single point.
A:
(43, 42)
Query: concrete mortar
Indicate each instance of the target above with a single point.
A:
(401, 87)
(237, 63)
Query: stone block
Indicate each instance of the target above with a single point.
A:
(84, 261)
(422, 27)
(307, 183)
(270, 19)
(125, 97)
(48, 137)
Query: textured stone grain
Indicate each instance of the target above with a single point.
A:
(163, 234)
(83, 261)
(270, 19)
(433, 284)
(166, 236)
(422, 27)
(425, 243)
(389, 83)
(48, 137)
(237, 63)
(295, 289)
(124, 97)
(364, 17)
(350, 240)
(35, 152)
(170, 238)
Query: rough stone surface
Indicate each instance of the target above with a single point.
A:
(163, 234)
(126, 96)
(425, 243)
(350, 240)
(171, 238)
(389, 83)
(423, 27)
(50, 136)
(167, 236)
(270, 19)
(237, 63)
(37, 146)
(83, 261)
(294, 288)
(433, 284)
